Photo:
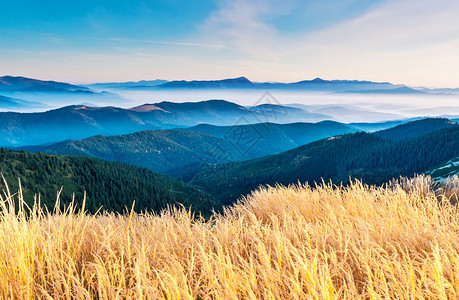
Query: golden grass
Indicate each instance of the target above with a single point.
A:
(278, 243)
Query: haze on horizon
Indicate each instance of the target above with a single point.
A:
(403, 42)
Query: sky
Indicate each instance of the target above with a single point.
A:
(413, 42)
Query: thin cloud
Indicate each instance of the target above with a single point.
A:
(171, 43)
(408, 41)
(243, 25)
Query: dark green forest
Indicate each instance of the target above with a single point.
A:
(375, 158)
(110, 185)
(415, 128)
(365, 156)
(168, 151)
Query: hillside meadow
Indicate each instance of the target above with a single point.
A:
(296, 242)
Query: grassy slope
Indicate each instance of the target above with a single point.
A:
(282, 243)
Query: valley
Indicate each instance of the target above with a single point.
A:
(215, 149)
(218, 149)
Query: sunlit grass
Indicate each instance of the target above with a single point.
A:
(278, 243)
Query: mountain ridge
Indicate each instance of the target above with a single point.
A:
(165, 151)
(19, 83)
(365, 156)
(15, 103)
(81, 121)
(317, 84)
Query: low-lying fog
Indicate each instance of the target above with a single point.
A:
(389, 107)
(341, 107)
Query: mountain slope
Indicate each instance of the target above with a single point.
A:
(366, 156)
(80, 121)
(219, 112)
(168, 151)
(11, 83)
(73, 122)
(373, 127)
(109, 184)
(160, 151)
(55, 94)
(415, 128)
(14, 103)
(444, 170)
(269, 138)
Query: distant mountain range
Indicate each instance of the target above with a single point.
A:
(27, 94)
(126, 85)
(82, 121)
(315, 85)
(393, 90)
(77, 122)
(23, 84)
(14, 103)
(232, 83)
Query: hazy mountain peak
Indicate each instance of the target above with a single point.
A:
(239, 82)
(19, 83)
(146, 108)
(217, 103)
(318, 80)
(240, 79)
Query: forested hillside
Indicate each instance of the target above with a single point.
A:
(416, 128)
(168, 151)
(366, 156)
(160, 150)
(261, 139)
(110, 185)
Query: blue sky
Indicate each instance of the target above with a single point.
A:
(404, 41)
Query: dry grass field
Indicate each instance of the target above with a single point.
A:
(292, 242)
